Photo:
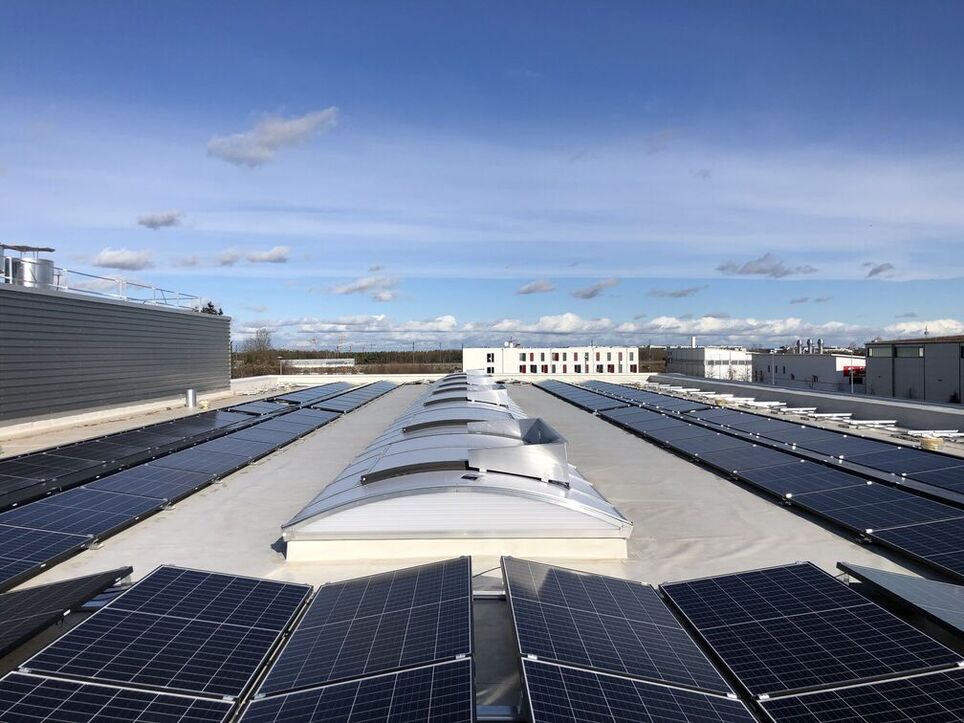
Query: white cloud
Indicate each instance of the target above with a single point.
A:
(539, 286)
(274, 255)
(594, 290)
(162, 219)
(125, 259)
(800, 300)
(932, 327)
(378, 288)
(260, 145)
(766, 265)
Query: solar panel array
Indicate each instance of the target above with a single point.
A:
(596, 643)
(201, 636)
(393, 646)
(350, 401)
(929, 531)
(24, 613)
(311, 395)
(791, 630)
(44, 531)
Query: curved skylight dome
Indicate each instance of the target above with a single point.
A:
(462, 469)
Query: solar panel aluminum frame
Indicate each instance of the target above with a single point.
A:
(254, 679)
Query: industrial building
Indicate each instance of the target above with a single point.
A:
(710, 362)
(821, 371)
(296, 558)
(929, 368)
(574, 361)
(75, 344)
(297, 365)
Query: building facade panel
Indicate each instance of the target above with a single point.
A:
(63, 353)
(930, 369)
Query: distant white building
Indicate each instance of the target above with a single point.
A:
(318, 363)
(710, 362)
(823, 372)
(520, 361)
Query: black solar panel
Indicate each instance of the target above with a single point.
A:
(800, 477)
(604, 624)
(209, 638)
(200, 595)
(45, 466)
(24, 613)
(198, 459)
(787, 629)
(875, 507)
(158, 483)
(258, 434)
(560, 694)
(441, 693)
(260, 408)
(686, 431)
(357, 397)
(843, 446)
(241, 447)
(703, 445)
(376, 624)
(36, 699)
(81, 511)
(23, 551)
(744, 458)
(800, 436)
(935, 698)
(938, 543)
(103, 451)
(905, 461)
(951, 478)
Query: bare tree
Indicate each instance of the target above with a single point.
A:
(259, 343)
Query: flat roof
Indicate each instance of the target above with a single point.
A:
(921, 340)
(689, 522)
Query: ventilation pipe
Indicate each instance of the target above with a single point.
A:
(819, 346)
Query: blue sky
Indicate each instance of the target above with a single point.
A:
(383, 173)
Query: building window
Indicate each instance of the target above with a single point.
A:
(532, 368)
(522, 369)
(599, 368)
(609, 356)
(620, 356)
(564, 369)
(910, 351)
(597, 356)
(555, 356)
(632, 368)
(585, 356)
(620, 368)
(545, 368)
(881, 351)
(553, 368)
(631, 355)
(490, 358)
(577, 368)
(542, 356)
(611, 368)
(784, 370)
(522, 356)
(490, 370)
(564, 356)
(532, 356)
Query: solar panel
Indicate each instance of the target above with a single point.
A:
(24, 613)
(188, 632)
(874, 507)
(376, 624)
(23, 551)
(951, 478)
(45, 466)
(558, 694)
(905, 461)
(935, 697)
(214, 597)
(260, 408)
(800, 435)
(441, 693)
(241, 447)
(788, 629)
(258, 434)
(36, 699)
(81, 512)
(147, 480)
(800, 477)
(701, 445)
(747, 457)
(937, 543)
(103, 451)
(940, 601)
(687, 431)
(198, 459)
(602, 623)
(843, 446)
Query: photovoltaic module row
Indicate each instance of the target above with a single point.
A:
(38, 534)
(600, 648)
(24, 613)
(930, 532)
(180, 645)
(932, 468)
(35, 474)
(390, 647)
(350, 401)
(795, 627)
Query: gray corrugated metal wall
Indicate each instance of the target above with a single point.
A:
(63, 353)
